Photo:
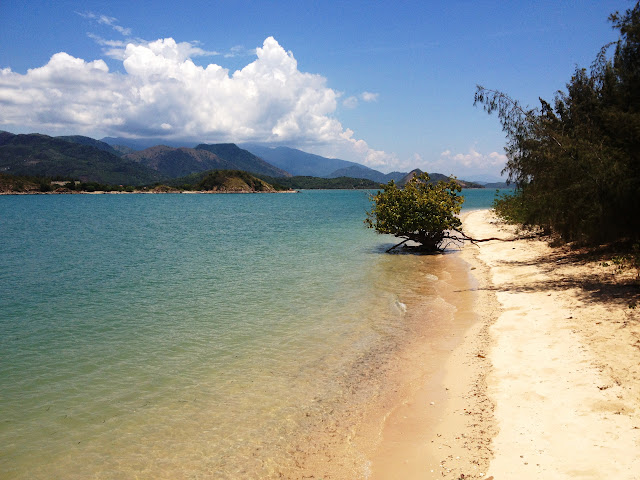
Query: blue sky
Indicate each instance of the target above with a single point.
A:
(387, 84)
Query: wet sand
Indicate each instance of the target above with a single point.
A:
(385, 428)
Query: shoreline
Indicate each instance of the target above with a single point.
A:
(545, 382)
(443, 428)
(412, 440)
(554, 365)
(143, 192)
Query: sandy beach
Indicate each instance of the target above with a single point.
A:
(546, 384)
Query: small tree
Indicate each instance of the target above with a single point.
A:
(423, 212)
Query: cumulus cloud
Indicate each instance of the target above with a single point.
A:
(162, 92)
(350, 102)
(463, 165)
(116, 48)
(369, 97)
(474, 159)
(353, 101)
(239, 51)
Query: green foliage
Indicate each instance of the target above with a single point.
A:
(422, 212)
(509, 207)
(576, 161)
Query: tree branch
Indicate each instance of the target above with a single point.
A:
(396, 246)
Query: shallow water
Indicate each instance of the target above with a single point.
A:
(196, 336)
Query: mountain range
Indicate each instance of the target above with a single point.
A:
(121, 161)
(45, 156)
(299, 163)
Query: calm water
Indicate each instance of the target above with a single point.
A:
(188, 336)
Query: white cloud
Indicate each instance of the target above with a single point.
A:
(162, 92)
(111, 22)
(474, 159)
(111, 48)
(464, 165)
(116, 48)
(106, 20)
(350, 102)
(369, 97)
(239, 51)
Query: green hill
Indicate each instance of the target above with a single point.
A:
(243, 159)
(437, 177)
(233, 181)
(44, 156)
(177, 162)
(92, 142)
(224, 181)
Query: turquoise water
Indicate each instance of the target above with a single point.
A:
(186, 336)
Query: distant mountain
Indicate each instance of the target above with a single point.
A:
(243, 159)
(42, 155)
(486, 178)
(409, 176)
(297, 162)
(395, 176)
(498, 185)
(5, 136)
(178, 162)
(143, 143)
(123, 149)
(92, 142)
(359, 171)
(113, 161)
(433, 177)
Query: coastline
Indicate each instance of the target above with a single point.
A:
(145, 192)
(546, 383)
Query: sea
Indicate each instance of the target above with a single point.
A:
(202, 336)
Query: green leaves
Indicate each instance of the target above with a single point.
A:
(421, 212)
(576, 164)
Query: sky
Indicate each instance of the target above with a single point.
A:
(388, 84)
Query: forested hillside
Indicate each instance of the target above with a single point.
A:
(45, 156)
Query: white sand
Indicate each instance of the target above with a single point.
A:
(563, 370)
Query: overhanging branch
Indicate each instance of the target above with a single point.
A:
(461, 237)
